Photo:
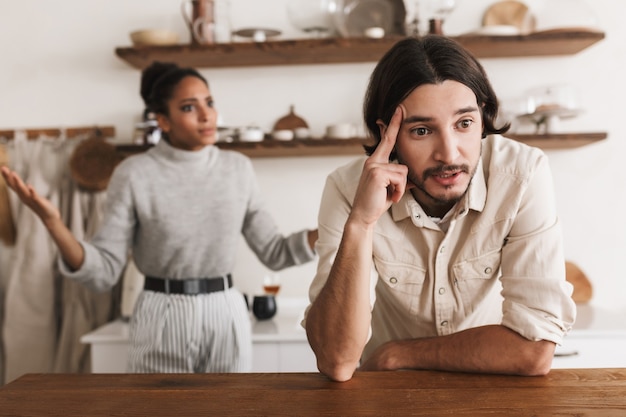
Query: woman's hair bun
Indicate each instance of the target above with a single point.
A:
(151, 74)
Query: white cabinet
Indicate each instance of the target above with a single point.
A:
(109, 347)
(598, 340)
(278, 345)
(600, 351)
(283, 357)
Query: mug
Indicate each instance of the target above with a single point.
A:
(202, 11)
(203, 30)
(208, 20)
(341, 131)
(264, 306)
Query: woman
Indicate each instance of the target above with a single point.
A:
(179, 208)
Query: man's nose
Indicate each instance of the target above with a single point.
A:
(447, 150)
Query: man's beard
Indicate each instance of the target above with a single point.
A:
(419, 182)
(430, 172)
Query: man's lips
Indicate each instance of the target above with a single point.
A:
(448, 178)
(447, 174)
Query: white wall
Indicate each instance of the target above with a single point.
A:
(59, 69)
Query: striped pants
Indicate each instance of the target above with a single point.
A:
(172, 333)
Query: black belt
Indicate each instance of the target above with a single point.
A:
(187, 286)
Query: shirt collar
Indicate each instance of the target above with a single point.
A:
(207, 153)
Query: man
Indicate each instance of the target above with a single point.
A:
(442, 250)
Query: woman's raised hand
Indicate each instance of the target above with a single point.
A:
(40, 205)
(71, 250)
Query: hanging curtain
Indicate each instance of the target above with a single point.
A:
(30, 315)
(7, 240)
(45, 315)
(82, 310)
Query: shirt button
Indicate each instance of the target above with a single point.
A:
(442, 249)
(417, 216)
(442, 290)
(393, 280)
(444, 323)
(488, 270)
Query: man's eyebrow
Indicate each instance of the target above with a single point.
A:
(416, 118)
(468, 109)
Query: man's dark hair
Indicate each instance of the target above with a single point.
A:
(413, 62)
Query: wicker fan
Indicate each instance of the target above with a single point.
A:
(93, 162)
(290, 121)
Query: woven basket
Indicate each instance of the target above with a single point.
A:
(92, 163)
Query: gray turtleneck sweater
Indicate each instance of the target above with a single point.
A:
(181, 214)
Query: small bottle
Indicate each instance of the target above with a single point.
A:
(434, 27)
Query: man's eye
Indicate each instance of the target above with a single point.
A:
(466, 123)
(210, 103)
(421, 131)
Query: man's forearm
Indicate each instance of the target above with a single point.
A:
(338, 322)
(486, 349)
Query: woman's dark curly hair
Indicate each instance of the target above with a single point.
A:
(158, 82)
(413, 62)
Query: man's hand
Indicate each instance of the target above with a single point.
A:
(382, 183)
(383, 359)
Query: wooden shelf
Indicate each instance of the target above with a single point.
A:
(350, 50)
(559, 140)
(339, 147)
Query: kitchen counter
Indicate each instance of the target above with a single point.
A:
(598, 340)
(571, 392)
(284, 326)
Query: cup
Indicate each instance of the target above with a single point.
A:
(208, 20)
(196, 14)
(264, 306)
(271, 284)
(341, 131)
(203, 30)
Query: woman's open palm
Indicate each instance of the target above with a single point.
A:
(40, 205)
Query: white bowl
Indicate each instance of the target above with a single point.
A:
(283, 134)
(154, 37)
(251, 135)
(302, 133)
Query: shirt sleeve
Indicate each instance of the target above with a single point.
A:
(107, 253)
(335, 208)
(272, 248)
(537, 297)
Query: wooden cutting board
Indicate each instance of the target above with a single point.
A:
(290, 121)
(583, 289)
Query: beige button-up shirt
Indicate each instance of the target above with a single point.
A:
(496, 257)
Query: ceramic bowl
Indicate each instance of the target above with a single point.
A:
(282, 134)
(154, 37)
(302, 133)
(251, 134)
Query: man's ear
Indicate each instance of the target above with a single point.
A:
(381, 127)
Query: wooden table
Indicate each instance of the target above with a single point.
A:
(564, 392)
